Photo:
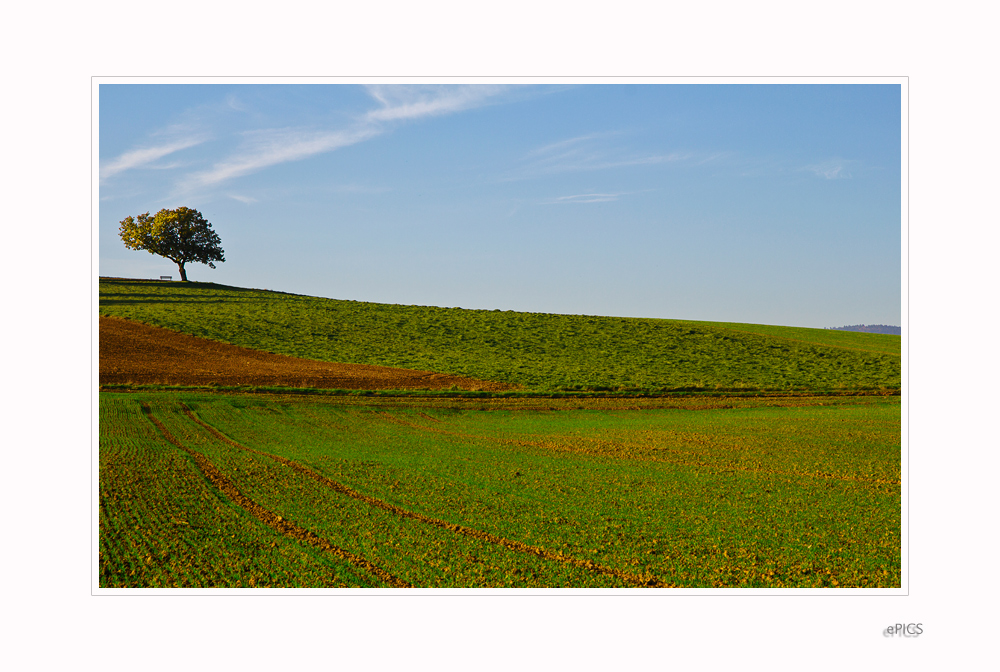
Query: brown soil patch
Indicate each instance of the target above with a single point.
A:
(132, 352)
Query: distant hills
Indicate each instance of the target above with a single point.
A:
(871, 329)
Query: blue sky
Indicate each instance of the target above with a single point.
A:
(773, 204)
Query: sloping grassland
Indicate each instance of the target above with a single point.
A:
(538, 351)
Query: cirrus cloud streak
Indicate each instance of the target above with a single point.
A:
(584, 198)
(137, 158)
(269, 147)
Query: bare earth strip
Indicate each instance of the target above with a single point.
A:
(267, 517)
(644, 580)
(140, 354)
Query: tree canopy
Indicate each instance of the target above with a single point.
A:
(181, 235)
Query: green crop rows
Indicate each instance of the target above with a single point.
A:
(738, 489)
(541, 352)
(798, 492)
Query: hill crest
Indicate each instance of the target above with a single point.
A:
(538, 351)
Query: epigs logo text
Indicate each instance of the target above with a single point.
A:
(904, 630)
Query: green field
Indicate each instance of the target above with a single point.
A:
(216, 490)
(536, 351)
(637, 453)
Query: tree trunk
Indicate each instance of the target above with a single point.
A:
(184, 277)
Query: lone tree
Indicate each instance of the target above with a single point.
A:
(180, 235)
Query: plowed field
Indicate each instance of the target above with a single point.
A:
(132, 352)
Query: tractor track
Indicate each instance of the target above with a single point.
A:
(645, 580)
(269, 518)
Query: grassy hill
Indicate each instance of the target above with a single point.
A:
(537, 350)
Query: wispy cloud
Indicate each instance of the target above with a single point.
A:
(833, 169)
(234, 103)
(242, 199)
(585, 198)
(586, 153)
(271, 147)
(137, 158)
(594, 197)
(412, 102)
(264, 148)
(357, 189)
(715, 156)
(563, 147)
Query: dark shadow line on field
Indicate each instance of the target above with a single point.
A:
(189, 285)
(269, 518)
(646, 580)
(107, 301)
(567, 448)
